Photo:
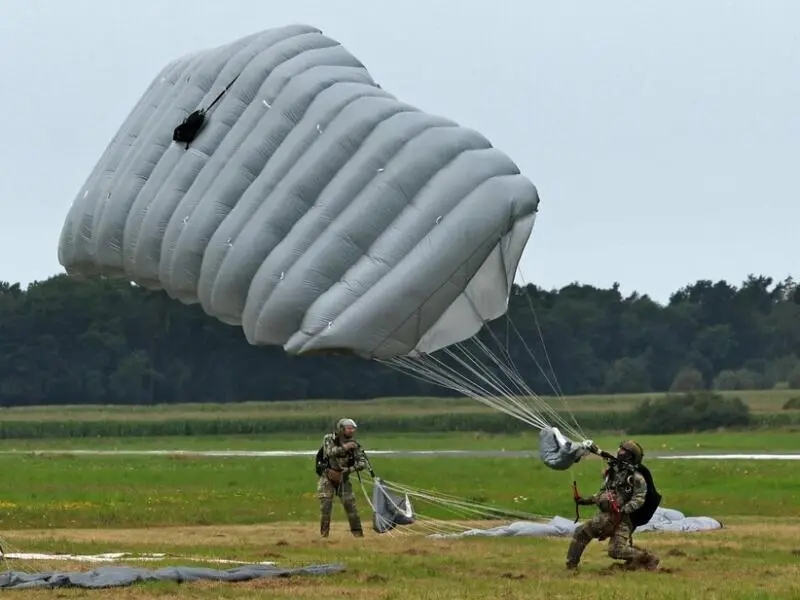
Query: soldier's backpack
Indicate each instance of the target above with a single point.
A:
(320, 462)
(651, 500)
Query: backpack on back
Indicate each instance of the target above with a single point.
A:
(320, 462)
(652, 499)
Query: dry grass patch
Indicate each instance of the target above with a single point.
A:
(748, 559)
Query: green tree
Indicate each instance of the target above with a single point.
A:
(688, 379)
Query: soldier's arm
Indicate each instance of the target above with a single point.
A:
(598, 494)
(638, 496)
(360, 462)
(331, 449)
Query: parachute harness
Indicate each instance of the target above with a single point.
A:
(576, 496)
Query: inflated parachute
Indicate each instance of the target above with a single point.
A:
(274, 182)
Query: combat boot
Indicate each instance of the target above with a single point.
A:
(354, 520)
(651, 561)
(645, 560)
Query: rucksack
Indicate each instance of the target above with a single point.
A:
(320, 462)
(652, 499)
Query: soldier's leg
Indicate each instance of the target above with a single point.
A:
(325, 493)
(349, 503)
(621, 547)
(585, 533)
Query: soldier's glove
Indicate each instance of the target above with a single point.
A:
(334, 476)
(589, 446)
(584, 501)
(349, 445)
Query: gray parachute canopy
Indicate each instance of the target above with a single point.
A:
(557, 451)
(313, 208)
(389, 509)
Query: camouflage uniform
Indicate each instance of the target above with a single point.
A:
(346, 462)
(622, 493)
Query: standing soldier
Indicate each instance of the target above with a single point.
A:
(623, 493)
(341, 455)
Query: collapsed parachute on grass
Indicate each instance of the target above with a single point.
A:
(389, 509)
(304, 203)
(664, 519)
(121, 576)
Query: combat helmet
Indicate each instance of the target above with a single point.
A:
(342, 423)
(630, 451)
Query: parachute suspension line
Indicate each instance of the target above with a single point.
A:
(517, 400)
(512, 400)
(575, 431)
(558, 390)
(421, 521)
(473, 390)
(480, 383)
(556, 387)
(463, 510)
(527, 391)
(454, 501)
(430, 369)
(372, 506)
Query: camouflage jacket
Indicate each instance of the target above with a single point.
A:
(624, 485)
(339, 459)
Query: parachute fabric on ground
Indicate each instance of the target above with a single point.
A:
(314, 208)
(108, 577)
(556, 451)
(462, 511)
(664, 519)
(388, 509)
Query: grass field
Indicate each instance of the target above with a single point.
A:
(265, 509)
(256, 508)
(778, 440)
(146, 491)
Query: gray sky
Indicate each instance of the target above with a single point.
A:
(660, 138)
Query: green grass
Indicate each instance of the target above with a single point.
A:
(265, 508)
(144, 491)
(777, 440)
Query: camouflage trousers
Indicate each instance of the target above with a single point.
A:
(620, 541)
(326, 492)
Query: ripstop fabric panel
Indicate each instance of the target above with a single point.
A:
(664, 519)
(121, 576)
(314, 209)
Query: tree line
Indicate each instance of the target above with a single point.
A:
(100, 341)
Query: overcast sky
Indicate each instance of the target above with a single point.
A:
(661, 139)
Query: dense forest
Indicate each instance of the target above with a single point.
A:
(64, 341)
